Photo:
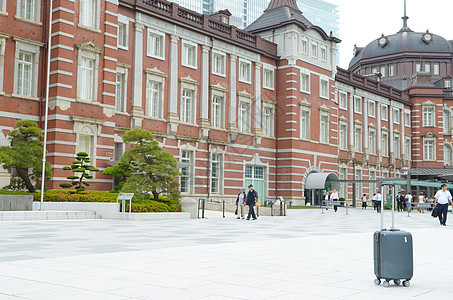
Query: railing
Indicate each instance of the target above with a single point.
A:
(219, 26)
(160, 5)
(243, 35)
(190, 16)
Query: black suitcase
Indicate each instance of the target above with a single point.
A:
(393, 253)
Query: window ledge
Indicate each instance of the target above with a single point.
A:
(306, 140)
(3, 13)
(245, 81)
(88, 28)
(156, 57)
(245, 133)
(187, 66)
(218, 74)
(306, 92)
(269, 137)
(124, 113)
(24, 97)
(188, 124)
(219, 129)
(268, 88)
(154, 118)
(428, 126)
(123, 47)
(88, 102)
(17, 17)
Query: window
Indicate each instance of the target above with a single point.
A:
(372, 141)
(343, 100)
(343, 136)
(305, 123)
(323, 53)
(218, 112)
(244, 116)
(407, 148)
(428, 68)
(304, 45)
(118, 151)
(357, 104)
(358, 186)
(372, 184)
(343, 175)
(268, 121)
(374, 70)
(358, 138)
(383, 71)
(2, 5)
(218, 63)
(324, 128)
(324, 88)
(187, 103)
(385, 144)
(305, 81)
(244, 71)
(447, 122)
(391, 70)
(189, 54)
(436, 69)
(216, 173)
(86, 79)
(396, 116)
(396, 145)
(384, 112)
(154, 95)
(156, 44)
(428, 116)
(428, 149)
(85, 144)
(88, 13)
(371, 108)
(120, 100)
(255, 175)
(447, 155)
(24, 74)
(186, 164)
(418, 67)
(268, 78)
(314, 49)
(122, 35)
(25, 9)
(407, 119)
(447, 84)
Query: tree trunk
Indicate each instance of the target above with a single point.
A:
(156, 195)
(23, 173)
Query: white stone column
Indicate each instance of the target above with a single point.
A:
(137, 95)
(232, 112)
(3, 38)
(172, 116)
(378, 130)
(204, 105)
(257, 112)
(365, 126)
(351, 122)
(402, 135)
(391, 135)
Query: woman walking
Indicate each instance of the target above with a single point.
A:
(364, 201)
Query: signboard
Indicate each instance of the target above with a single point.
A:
(125, 196)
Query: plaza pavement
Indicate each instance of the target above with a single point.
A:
(307, 255)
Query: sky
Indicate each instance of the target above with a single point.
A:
(362, 21)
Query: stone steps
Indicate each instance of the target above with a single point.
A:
(46, 215)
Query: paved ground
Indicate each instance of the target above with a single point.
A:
(307, 255)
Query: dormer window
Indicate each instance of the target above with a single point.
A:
(225, 20)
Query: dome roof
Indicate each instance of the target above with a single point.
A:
(403, 41)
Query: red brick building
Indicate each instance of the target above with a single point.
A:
(265, 105)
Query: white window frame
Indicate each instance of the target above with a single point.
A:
(152, 36)
(187, 162)
(305, 132)
(324, 55)
(124, 72)
(342, 105)
(3, 5)
(314, 49)
(2, 60)
(268, 84)
(372, 140)
(324, 93)
(407, 119)
(358, 137)
(374, 70)
(217, 158)
(428, 67)
(343, 175)
(343, 135)
(305, 73)
(436, 69)
(35, 13)
(222, 55)
(244, 113)
(426, 155)
(90, 52)
(385, 143)
(268, 119)
(94, 10)
(358, 105)
(154, 76)
(304, 45)
(24, 79)
(382, 71)
(428, 110)
(446, 122)
(218, 119)
(30, 47)
(407, 147)
(418, 67)
(371, 112)
(447, 150)
(396, 115)
(82, 128)
(185, 44)
(248, 64)
(384, 112)
(396, 145)
(391, 70)
(324, 129)
(123, 21)
(447, 84)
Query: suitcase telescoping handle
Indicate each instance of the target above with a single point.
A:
(383, 184)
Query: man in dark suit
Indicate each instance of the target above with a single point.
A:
(400, 200)
(252, 197)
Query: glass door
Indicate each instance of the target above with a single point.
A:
(255, 175)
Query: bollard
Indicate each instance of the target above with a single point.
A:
(272, 209)
(290, 203)
(202, 211)
(347, 206)
(223, 208)
(257, 211)
(281, 208)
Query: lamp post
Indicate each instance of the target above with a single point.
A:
(49, 44)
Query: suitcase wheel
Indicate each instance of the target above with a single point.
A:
(377, 281)
(386, 284)
(397, 281)
(406, 283)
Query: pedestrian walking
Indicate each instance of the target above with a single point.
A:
(441, 201)
(373, 200)
(399, 201)
(421, 199)
(364, 201)
(252, 197)
(240, 203)
(378, 201)
(334, 196)
(326, 199)
(409, 201)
